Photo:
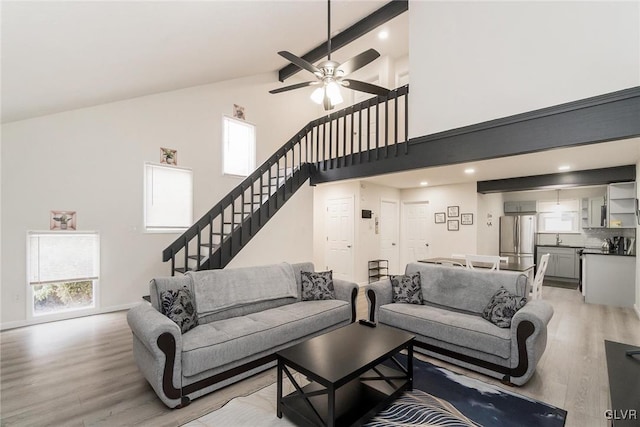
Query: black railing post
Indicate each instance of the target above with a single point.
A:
(386, 128)
(406, 122)
(360, 136)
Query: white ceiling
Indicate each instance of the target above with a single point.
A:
(63, 55)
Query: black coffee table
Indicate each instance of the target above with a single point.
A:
(348, 383)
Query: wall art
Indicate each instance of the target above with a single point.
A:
(453, 225)
(169, 156)
(466, 219)
(440, 217)
(453, 211)
(62, 220)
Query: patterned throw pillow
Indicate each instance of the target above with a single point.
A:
(503, 307)
(317, 286)
(177, 305)
(407, 289)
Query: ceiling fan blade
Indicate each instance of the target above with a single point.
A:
(365, 87)
(305, 65)
(292, 87)
(358, 61)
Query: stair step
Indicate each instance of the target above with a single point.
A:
(207, 245)
(196, 257)
(184, 270)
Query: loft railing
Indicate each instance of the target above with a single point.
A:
(363, 132)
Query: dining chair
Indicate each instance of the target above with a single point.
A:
(536, 287)
(450, 263)
(494, 260)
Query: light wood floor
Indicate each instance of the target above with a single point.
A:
(81, 372)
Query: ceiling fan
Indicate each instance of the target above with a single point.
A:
(331, 74)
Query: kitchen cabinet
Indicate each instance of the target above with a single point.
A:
(563, 262)
(621, 211)
(528, 206)
(593, 212)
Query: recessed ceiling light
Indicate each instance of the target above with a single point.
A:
(423, 183)
(469, 171)
(564, 168)
(383, 35)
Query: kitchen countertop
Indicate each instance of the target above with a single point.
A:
(594, 251)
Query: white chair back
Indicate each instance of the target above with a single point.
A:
(450, 263)
(536, 288)
(494, 260)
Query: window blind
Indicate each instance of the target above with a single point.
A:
(63, 257)
(239, 147)
(168, 197)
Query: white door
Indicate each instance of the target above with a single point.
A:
(415, 242)
(339, 249)
(389, 235)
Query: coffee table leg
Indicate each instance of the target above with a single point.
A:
(331, 416)
(410, 365)
(279, 398)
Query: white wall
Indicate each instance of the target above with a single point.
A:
(490, 208)
(91, 161)
(637, 304)
(475, 61)
(443, 243)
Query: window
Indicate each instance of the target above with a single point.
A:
(239, 147)
(63, 271)
(168, 198)
(559, 217)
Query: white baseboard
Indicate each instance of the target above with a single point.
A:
(65, 316)
(637, 308)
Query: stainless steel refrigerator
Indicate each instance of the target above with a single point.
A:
(518, 237)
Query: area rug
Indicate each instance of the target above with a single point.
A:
(440, 398)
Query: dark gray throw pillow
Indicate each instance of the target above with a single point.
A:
(503, 307)
(317, 285)
(406, 289)
(178, 306)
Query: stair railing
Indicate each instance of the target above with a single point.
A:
(360, 133)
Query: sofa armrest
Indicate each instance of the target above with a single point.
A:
(157, 349)
(528, 338)
(347, 291)
(378, 294)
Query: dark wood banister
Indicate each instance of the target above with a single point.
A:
(312, 127)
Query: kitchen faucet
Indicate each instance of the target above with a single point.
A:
(558, 241)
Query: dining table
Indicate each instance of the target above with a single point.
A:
(525, 267)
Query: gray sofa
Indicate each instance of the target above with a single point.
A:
(448, 325)
(245, 315)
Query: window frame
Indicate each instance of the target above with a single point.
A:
(65, 313)
(566, 207)
(253, 160)
(164, 229)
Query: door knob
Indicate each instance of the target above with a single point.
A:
(349, 246)
(426, 244)
(393, 244)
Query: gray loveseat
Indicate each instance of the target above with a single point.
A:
(449, 326)
(245, 315)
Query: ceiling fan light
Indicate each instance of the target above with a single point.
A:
(333, 92)
(318, 95)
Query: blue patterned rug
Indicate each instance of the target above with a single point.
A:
(443, 398)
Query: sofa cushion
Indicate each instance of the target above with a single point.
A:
(464, 289)
(221, 342)
(406, 288)
(463, 330)
(162, 284)
(178, 306)
(502, 307)
(219, 290)
(317, 285)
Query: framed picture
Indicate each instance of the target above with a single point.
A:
(238, 112)
(466, 219)
(440, 217)
(453, 211)
(453, 225)
(169, 156)
(62, 220)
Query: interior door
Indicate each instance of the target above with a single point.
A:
(339, 248)
(389, 235)
(415, 242)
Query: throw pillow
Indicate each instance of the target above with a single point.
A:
(317, 285)
(178, 306)
(503, 307)
(406, 289)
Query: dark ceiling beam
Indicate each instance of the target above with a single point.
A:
(602, 118)
(357, 30)
(602, 176)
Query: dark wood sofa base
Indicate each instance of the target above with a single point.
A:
(167, 344)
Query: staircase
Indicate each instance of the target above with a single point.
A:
(362, 133)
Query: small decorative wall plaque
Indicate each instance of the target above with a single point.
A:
(453, 225)
(440, 217)
(453, 211)
(62, 220)
(238, 112)
(466, 219)
(169, 156)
